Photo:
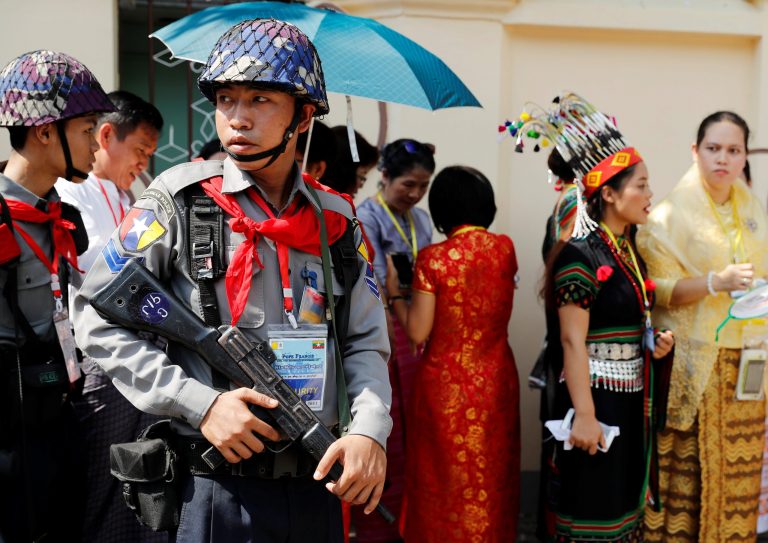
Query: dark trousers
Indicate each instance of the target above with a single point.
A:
(41, 480)
(251, 510)
(106, 417)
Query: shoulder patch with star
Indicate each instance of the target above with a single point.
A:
(140, 229)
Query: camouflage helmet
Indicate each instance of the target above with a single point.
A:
(270, 54)
(42, 87)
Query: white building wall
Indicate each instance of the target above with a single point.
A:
(85, 29)
(659, 66)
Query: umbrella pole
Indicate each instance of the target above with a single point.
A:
(306, 147)
(351, 132)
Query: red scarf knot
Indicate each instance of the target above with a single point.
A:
(297, 228)
(63, 243)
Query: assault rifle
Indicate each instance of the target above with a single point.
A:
(136, 299)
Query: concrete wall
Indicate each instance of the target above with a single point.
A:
(85, 29)
(658, 66)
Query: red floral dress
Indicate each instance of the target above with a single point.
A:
(463, 442)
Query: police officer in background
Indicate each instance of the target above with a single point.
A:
(265, 80)
(49, 102)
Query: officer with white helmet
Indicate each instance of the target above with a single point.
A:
(257, 265)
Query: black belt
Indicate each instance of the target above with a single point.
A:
(291, 461)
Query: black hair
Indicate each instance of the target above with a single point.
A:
(131, 112)
(720, 116)
(403, 155)
(341, 174)
(461, 195)
(558, 166)
(747, 173)
(210, 148)
(18, 136)
(322, 148)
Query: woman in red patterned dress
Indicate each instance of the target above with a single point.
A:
(463, 463)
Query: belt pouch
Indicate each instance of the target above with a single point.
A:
(147, 470)
(45, 386)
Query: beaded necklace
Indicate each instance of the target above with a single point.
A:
(635, 277)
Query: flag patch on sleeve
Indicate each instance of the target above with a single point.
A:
(140, 229)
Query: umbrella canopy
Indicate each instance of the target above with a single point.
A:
(360, 57)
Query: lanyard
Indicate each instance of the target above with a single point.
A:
(111, 209)
(737, 245)
(51, 264)
(462, 229)
(53, 267)
(635, 271)
(283, 255)
(411, 244)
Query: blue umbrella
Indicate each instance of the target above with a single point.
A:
(361, 57)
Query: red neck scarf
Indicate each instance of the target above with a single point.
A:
(298, 227)
(63, 244)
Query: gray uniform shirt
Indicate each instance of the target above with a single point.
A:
(33, 278)
(179, 384)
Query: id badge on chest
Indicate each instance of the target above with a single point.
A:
(754, 353)
(301, 359)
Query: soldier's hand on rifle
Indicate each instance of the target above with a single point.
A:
(231, 427)
(365, 467)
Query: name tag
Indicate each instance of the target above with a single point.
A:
(754, 353)
(301, 359)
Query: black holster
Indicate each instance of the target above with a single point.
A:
(148, 472)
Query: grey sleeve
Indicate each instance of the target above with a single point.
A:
(373, 230)
(140, 370)
(365, 358)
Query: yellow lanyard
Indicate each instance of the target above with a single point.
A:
(412, 244)
(635, 266)
(737, 245)
(462, 229)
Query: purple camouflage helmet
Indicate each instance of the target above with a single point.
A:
(42, 87)
(267, 53)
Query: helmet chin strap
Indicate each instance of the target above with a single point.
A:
(276, 151)
(72, 172)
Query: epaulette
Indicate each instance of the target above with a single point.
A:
(181, 176)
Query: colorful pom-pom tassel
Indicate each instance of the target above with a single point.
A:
(525, 117)
(544, 142)
(536, 148)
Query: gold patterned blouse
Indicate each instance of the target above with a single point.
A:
(684, 238)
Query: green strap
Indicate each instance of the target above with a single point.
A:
(717, 332)
(345, 416)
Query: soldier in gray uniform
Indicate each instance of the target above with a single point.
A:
(266, 82)
(49, 102)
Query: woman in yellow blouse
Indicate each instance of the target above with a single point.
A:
(705, 242)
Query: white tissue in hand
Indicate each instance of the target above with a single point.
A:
(561, 431)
